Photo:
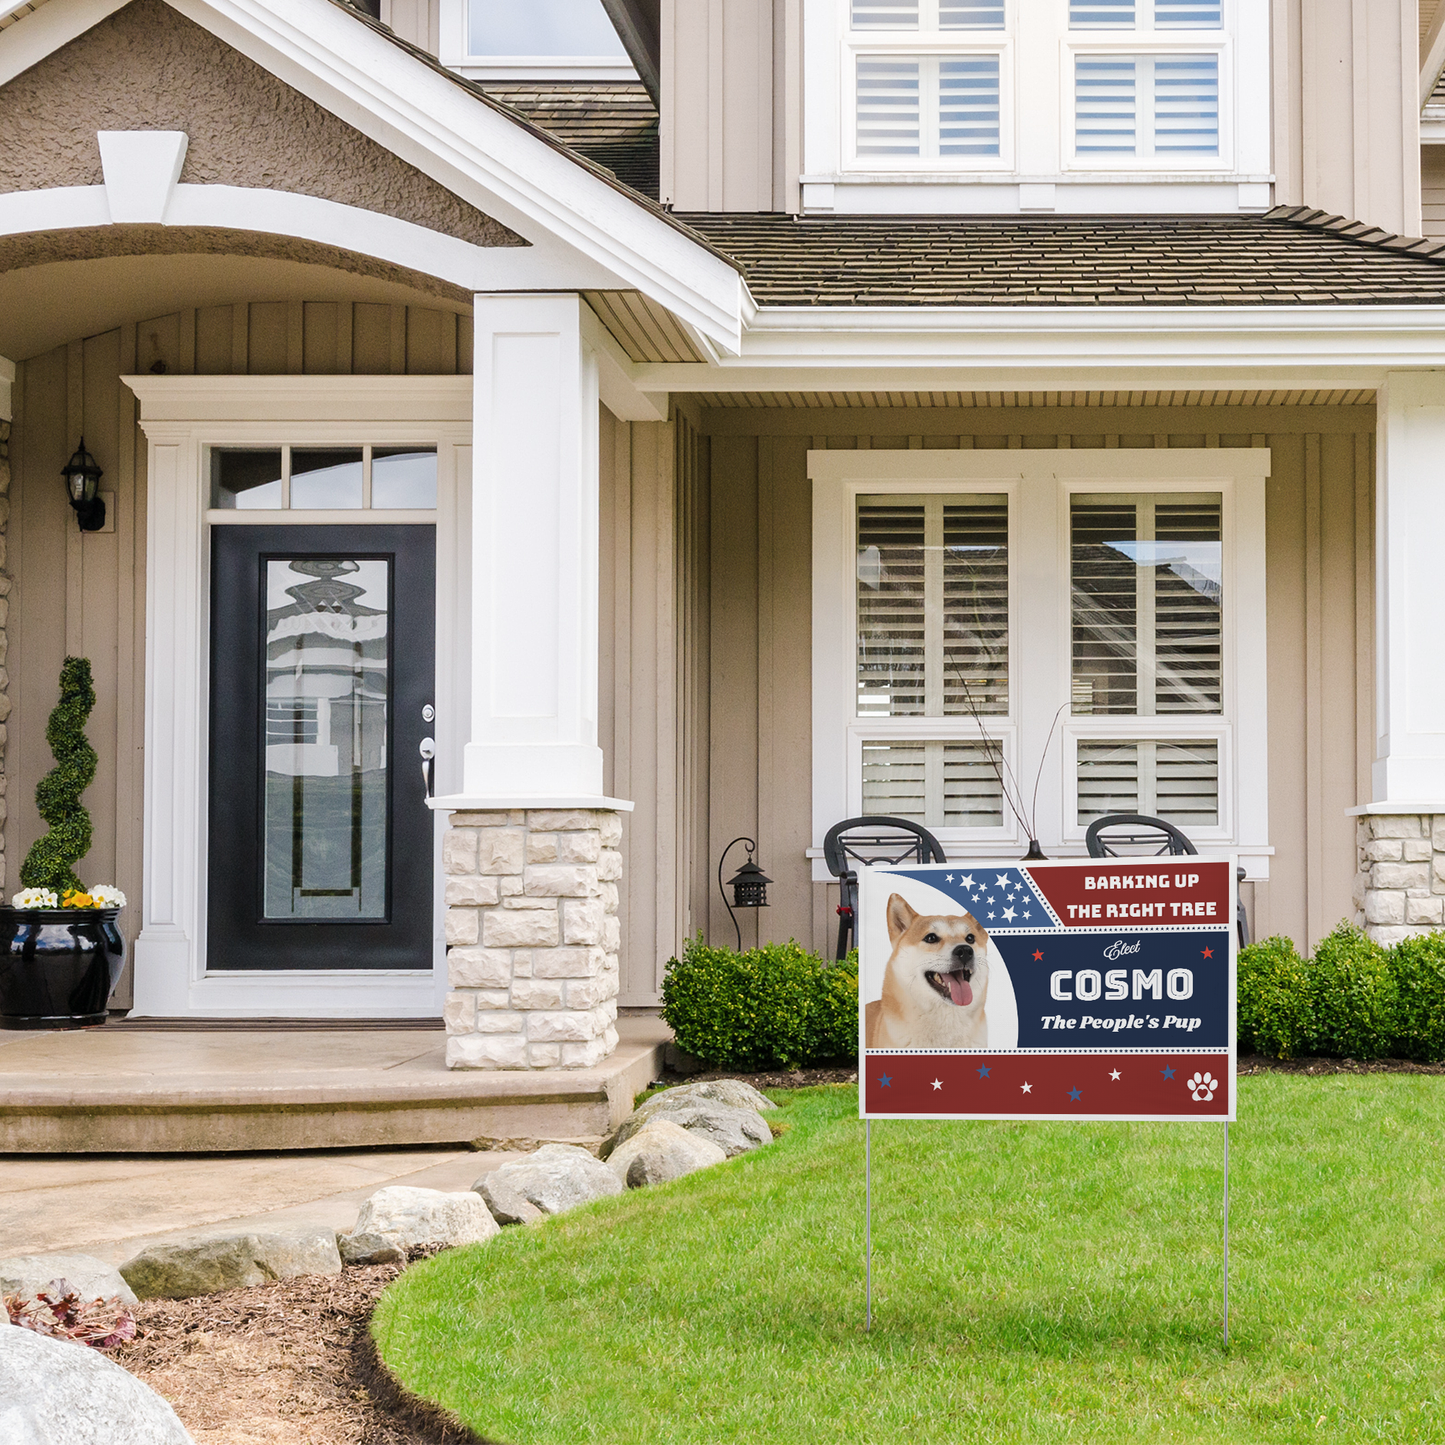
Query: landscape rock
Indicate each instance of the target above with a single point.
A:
(662, 1150)
(732, 1092)
(415, 1217)
(54, 1391)
(558, 1177)
(371, 1248)
(209, 1264)
(735, 1131)
(508, 1204)
(25, 1274)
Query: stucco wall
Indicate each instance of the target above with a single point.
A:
(148, 68)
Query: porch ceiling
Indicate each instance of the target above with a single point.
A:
(905, 399)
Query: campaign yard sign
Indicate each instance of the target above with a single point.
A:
(1098, 988)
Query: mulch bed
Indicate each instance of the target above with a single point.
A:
(845, 1071)
(289, 1363)
(1258, 1064)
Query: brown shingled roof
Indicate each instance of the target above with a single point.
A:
(1291, 256)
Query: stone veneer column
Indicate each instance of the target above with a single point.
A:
(532, 934)
(1399, 874)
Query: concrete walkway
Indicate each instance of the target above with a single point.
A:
(112, 1206)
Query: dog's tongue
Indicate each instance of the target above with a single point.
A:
(958, 989)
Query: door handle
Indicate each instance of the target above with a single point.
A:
(428, 752)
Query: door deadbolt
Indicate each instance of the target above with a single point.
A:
(428, 713)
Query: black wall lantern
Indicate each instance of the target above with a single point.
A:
(749, 885)
(82, 476)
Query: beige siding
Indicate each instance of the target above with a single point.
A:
(1432, 190)
(418, 21)
(717, 122)
(85, 593)
(757, 531)
(1346, 109)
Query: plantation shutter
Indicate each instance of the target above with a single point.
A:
(1105, 105)
(1146, 105)
(928, 105)
(1161, 778)
(885, 14)
(938, 784)
(970, 14)
(888, 106)
(1187, 15)
(1098, 14)
(968, 106)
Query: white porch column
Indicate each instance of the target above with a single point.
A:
(532, 852)
(534, 551)
(1400, 877)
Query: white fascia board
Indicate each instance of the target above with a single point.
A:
(585, 233)
(1065, 348)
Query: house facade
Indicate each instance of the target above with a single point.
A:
(539, 448)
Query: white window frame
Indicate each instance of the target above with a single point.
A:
(1040, 484)
(455, 54)
(1146, 44)
(183, 418)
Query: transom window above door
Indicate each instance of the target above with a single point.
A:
(324, 478)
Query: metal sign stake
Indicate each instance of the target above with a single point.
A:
(868, 1224)
(1226, 1231)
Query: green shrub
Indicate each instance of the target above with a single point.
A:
(51, 861)
(777, 1006)
(1352, 988)
(1275, 1010)
(1418, 966)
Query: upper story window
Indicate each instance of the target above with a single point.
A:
(929, 80)
(536, 40)
(1040, 89)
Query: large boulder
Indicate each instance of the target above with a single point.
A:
(93, 1278)
(659, 1151)
(417, 1218)
(508, 1205)
(558, 1177)
(211, 1263)
(57, 1392)
(734, 1131)
(732, 1092)
(371, 1248)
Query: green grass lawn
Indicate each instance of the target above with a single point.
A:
(1032, 1282)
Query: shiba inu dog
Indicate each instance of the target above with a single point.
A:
(936, 985)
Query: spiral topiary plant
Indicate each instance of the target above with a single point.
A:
(51, 861)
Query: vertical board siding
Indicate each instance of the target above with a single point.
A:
(86, 593)
(754, 719)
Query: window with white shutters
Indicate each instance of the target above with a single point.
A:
(1146, 105)
(928, 105)
(938, 784)
(1169, 778)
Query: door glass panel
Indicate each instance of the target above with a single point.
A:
(246, 480)
(326, 687)
(404, 477)
(325, 480)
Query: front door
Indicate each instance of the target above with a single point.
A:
(322, 675)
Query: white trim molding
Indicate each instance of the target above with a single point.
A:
(182, 416)
(1033, 732)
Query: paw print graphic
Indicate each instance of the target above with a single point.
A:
(1201, 1087)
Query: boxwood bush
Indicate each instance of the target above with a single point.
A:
(1352, 991)
(777, 1006)
(1419, 968)
(1275, 1006)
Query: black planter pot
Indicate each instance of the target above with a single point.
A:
(58, 966)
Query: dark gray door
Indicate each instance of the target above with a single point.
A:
(322, 664)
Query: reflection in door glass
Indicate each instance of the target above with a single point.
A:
(326, 687)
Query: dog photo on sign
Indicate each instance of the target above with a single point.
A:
(943, 981)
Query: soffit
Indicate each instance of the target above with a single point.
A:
(643, 329)
(866, 400)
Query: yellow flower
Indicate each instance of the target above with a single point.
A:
(77, 900)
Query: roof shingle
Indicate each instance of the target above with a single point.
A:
(1289, 257)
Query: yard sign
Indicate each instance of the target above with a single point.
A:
(1098, 988)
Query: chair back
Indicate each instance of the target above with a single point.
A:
(1132, 835)
(867, 840)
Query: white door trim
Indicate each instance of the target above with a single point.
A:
(182, 417)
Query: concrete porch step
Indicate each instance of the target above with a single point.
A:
(132, 1091)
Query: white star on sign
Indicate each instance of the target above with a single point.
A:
(967, 880)
(1027, 914)
(1010, 914)
(990, 915)
(1028, 1088)
(990, 899)
(949, 878)
(1001, 881)
(938, 1083)
(1114, 1074)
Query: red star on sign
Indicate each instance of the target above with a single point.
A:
(1208, 952)
(1038, 955)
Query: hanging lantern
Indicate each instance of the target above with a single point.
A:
(749, 885)
(82, 476)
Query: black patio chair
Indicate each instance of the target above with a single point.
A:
(1150, 837)
(871, 840)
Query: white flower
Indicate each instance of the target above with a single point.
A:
(107, 896)
(35, 898)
